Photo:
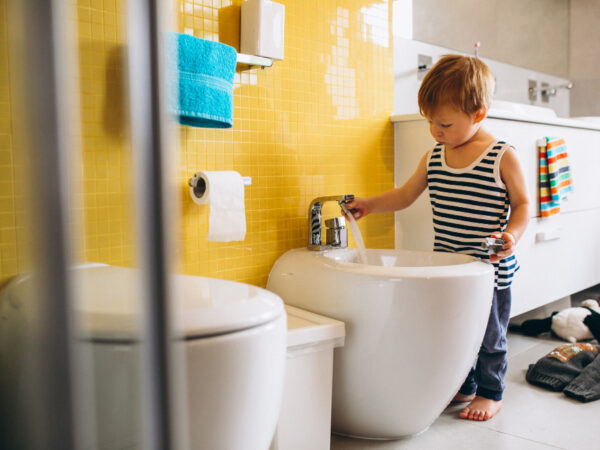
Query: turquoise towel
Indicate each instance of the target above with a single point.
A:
(204, 79)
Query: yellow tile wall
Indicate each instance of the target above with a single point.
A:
(103, 175)
(316, 123)
(9, 255)
(105, 144)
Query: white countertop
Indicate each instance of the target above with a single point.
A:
(307, 329)
(522, 113)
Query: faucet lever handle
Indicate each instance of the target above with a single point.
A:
(336, 223)
(337, 234)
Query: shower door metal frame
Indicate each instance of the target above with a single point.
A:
(149, 136)
(43, 66)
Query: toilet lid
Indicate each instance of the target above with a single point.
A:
(107, 303)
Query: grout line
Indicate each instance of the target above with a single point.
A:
(525, 438)
(486, 426)
(521, 352)
(534, 344)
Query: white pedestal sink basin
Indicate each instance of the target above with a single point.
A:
(414, 324)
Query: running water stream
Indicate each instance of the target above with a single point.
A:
(362, 251)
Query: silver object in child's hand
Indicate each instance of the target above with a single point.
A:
(493, 245)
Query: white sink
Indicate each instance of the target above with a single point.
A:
(539, 112)
(591, 119)
(408, 347)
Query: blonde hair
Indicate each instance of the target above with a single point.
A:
(464, 82)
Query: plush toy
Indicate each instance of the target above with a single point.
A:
(571, 324)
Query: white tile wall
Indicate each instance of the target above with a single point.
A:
(526, 33)
(511, 81)
(584, 52)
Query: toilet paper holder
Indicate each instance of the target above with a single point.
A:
(199, 185)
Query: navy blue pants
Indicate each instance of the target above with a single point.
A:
(486, 377)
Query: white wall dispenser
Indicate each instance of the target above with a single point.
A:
(262, 28)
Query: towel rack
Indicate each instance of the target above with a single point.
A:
(252, 60)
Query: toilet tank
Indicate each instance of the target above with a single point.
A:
(559, 255)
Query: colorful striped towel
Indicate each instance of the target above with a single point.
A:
(555, 175)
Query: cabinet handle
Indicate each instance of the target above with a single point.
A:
(547, 235)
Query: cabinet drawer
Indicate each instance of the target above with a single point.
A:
(558, 256)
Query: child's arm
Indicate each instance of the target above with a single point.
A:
(393, 199)
(513, 178)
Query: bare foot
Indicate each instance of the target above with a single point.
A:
(462, 398)
(481, 409)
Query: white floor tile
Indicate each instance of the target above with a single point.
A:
(447, 433)
(518, 343)
(540, 415)
(531, 417)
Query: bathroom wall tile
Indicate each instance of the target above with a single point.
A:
(316, 123)
(105, 147)
(8, 217)
(526, 33)
(584, 51)
(511, 81)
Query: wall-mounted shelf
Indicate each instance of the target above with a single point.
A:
(251, 60)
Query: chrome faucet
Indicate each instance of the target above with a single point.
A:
(546, 91)
(337, 234)
(549, 91)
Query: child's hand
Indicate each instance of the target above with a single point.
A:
(507, 248)
(359, 207)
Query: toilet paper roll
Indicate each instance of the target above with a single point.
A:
(224, 192)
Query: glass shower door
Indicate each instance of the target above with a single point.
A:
(85, 227)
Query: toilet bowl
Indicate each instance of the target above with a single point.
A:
(414, 324)
(232, 336)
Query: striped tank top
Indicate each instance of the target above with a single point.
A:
(470, 204)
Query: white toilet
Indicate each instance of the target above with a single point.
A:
(232, 336)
